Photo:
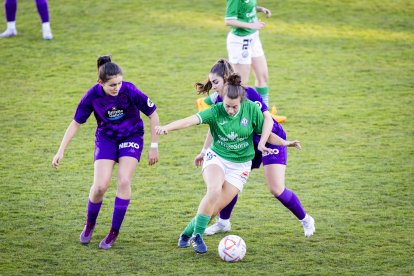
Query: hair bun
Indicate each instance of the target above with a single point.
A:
(103, 59)
(234, 79)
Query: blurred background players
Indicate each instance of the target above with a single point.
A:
(10, 9)
(244, 47)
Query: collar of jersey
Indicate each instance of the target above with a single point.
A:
(235, 115)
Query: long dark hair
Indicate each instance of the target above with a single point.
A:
(222, 68)
(107, 69)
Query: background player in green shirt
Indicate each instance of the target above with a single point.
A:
(227, 164)
(244, 47)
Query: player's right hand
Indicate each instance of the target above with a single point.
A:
(56, 160)
(198, 160)
(257, 25)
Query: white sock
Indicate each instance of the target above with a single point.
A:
(46, 27)
(11, 25)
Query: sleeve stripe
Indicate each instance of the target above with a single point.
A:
(230, 18)
(200, 120)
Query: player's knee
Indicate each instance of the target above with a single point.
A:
(276, 189)
(99, 189)
(213, 195)
(124, 183)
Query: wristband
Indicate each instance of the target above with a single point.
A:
(154, 145)
(203, 151)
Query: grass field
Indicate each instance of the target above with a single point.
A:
(343, 73)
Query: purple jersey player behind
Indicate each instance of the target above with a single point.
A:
(10, 8)
(274, 162)
(119, 138)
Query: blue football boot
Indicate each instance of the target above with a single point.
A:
(184, 241)
(198, 244)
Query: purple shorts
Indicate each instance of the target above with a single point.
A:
(277, 156)
(112, 149)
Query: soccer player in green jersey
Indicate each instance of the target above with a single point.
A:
(274, 163)
(227, 163)
(244, 47)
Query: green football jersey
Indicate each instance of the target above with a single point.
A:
(242, 10)
(233, 135)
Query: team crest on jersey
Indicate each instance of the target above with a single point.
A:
(244, 122)
(115, 114)
(259, 104)
(150, 103)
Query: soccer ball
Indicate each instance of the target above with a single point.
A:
(232, 248)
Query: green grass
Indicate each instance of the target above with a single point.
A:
(342, 71)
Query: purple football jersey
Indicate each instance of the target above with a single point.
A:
(118, 116)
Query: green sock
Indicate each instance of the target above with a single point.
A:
(189, 229)
(201, 222)
(264, 92)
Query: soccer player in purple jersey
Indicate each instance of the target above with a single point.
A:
(10, 8)
(274, 162)
(117, 105)
(227, 164)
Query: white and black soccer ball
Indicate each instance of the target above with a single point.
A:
(232, 248)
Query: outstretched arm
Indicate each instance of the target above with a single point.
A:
(176, 125)
(153, 151)
(276, 140)
(69, 134)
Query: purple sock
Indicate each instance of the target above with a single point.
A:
(289, 199)
(225, 213)
(120, 208)
(10, 6)
(43, 10)
(93, 211)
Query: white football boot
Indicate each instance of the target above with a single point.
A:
(308, 224)
(219, 227)
(10, 31)
(47, 32)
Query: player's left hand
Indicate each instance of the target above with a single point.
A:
(152, 156)
(294, 143)
(160, 130)
(267, 12)
(263, 148)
